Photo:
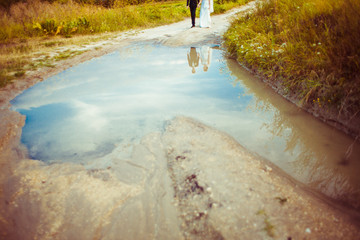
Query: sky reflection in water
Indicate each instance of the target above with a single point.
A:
(83, 112)
(123, 96)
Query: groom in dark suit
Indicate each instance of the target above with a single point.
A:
(192, 4)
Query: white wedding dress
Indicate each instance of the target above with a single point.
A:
(205, 57)
(207, 7)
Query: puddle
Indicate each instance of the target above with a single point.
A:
(85, 112)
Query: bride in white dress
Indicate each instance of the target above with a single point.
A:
(207, 7)
(205, 57)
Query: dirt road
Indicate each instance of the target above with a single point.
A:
(189, 182)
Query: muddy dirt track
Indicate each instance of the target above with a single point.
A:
(190, 181)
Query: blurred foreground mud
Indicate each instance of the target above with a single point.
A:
(188, 182)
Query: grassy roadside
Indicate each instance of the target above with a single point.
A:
(311, 48)
(30, 32)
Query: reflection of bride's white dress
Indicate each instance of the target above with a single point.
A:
(207, 7)
(205, 56)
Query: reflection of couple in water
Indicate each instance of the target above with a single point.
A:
(207, 7)
(205, 56)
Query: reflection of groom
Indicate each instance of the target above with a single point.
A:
(193, 59)
(192, 4)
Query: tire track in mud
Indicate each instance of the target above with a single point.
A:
(192, 197)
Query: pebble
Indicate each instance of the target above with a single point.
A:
(308, 230)
(268, 169)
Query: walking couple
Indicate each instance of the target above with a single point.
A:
(207, 7)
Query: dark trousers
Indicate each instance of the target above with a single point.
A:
(193, 15)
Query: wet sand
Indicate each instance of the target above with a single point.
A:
(188, 182)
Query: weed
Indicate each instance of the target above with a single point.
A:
(306, 45)
(5, 78)
(269, 227)
(67, 54)
(19, 74)
(63, 55)
(261, 212)
(49, 65)
(52, 44)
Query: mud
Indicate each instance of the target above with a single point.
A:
(189, 182)
(224, 192)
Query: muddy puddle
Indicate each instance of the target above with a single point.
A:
(87, 113)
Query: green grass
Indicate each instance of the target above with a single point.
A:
(67, 54)
(310, 47)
